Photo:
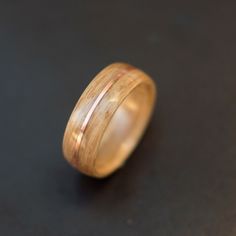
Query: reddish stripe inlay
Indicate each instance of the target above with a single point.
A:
(95, 104)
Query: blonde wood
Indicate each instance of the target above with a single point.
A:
(109, 120)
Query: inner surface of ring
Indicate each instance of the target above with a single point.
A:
(125, 129)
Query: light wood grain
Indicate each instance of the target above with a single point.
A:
(109, 120)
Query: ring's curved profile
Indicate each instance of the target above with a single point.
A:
(109, 120)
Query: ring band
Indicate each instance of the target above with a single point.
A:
(109, 120)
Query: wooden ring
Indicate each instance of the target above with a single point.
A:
(109, 120)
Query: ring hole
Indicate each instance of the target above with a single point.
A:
(125, 129)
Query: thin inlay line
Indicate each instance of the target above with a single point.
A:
(95, 104)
